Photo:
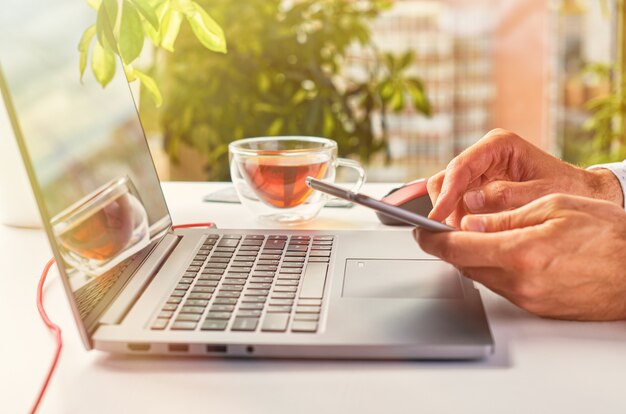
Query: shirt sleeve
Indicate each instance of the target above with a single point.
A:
(618, 169)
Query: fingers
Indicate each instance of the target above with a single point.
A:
(434, 186)
(465, 249)
(494, 148)
(502, 195)
(534, 213)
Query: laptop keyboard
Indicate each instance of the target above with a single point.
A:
(251, 283)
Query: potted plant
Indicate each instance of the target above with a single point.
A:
(287, 72)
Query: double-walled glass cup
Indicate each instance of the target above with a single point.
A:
(102, 229)
(269, 174)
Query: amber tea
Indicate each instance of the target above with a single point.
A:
(281, 181)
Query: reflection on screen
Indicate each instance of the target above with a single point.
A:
(85, 144)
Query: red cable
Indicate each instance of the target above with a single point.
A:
(190, 225)
(54, 328)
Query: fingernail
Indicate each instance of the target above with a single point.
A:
(476, 224)
(416, 234)
(474, 200)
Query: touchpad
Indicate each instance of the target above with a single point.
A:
(379, 278)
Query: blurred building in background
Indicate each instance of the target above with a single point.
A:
(453, 56)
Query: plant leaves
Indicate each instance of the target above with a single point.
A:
(105, 22)
(83, 48)
(151, 87)
(208, 32)
(169, 28)
(147, 11)
(103, 64)
(131, 35)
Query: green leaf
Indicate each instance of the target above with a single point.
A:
(169, 28)
(208, 32)
(275, 127)
(83, 48)
(420, 100)
(151, 87)
(131, 36)
(147, 11)
(94, 4)
(105, 21)
(103, 64)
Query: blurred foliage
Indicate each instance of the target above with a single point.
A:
(123, 25)
(284, 74)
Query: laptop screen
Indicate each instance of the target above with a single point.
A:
(84, 146)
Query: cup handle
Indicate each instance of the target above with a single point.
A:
(355, 165)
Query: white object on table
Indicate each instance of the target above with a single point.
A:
(539, 365)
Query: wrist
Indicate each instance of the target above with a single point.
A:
(604, 185)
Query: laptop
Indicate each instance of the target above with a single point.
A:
(205, 292)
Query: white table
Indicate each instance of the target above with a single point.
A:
(539, 365)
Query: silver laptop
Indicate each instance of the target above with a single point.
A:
(210, 292)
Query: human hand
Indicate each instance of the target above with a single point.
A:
(559, 256)
(503, 171)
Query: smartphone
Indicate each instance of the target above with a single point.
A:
(392, 211)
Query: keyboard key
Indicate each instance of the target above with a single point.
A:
(293, 260)
(291, 271)
(203, 289)
(200, 295)
(294, 242)
(262, 268)
(283, 295)
(255, 237)
(219, 260)
(186, 280)
(228, 243)
(251, 306)
(249, 249)
(263, 274)
(272, 244)
(231, 236)
(281, 302)
(304, 326)
(319, 253)
(241, 269)
(218, 272)
(159, 324)
(216, 265)
(184, 326)
(174, 299)
(222, 255)
(169, 307)
(196, 302)
(182, 286)
(283, 276)
(295, 254)
(235, 275)
(214, 325)
(252, 292)
(234, 282)
(261, 279)
(283, 282)
(228, 294)
(314, 281)
(190, 274)
(316, 248)
(261, 286)
(218, 315)
(253, 299)
(222, 308)
(226, 301)
(297, 248)
(193, 268)
(319, 259)
(245, 324)
(268, 262)
(310, 302)
(270, 257)
(165, 314)
(323, 238)
(241, 264)
(212, 283)
(192, 309)
(247, 255)
(306, 317)
(276, 322)
(279, 309)
(248, 313)
(322, 243)
(222, 249)
(188, 317)
(179, 293)
(285, 289)
(300, 237)
(293, 265)
(251, 242)
(233, 288)
(308, 309)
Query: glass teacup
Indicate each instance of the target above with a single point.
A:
(269, 174)
(102, 229)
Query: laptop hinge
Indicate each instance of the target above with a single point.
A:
(131, 292)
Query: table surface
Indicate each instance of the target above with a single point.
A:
(539, 365)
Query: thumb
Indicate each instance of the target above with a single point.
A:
(502, 195)
(532, 214)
